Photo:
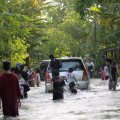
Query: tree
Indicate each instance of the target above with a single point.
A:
(21, 23)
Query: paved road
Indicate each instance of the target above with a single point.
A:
(96, 104)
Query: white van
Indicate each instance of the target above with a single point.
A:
(79, 70)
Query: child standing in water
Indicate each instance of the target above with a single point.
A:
(104, 72)
(70, 76)
(101, 73)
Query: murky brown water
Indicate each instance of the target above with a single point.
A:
(96, 104)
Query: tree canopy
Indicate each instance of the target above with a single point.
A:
(33, 29)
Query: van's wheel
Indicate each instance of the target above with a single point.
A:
(89, 88)
(45, 90)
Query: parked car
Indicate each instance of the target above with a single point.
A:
(43, 68)
(79, 68)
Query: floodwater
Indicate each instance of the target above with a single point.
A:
(98, 103)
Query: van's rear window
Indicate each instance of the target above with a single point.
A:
(75, 64)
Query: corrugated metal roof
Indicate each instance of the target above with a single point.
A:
(111, 49)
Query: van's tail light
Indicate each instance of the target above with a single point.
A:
(47, 76)
(85, 75)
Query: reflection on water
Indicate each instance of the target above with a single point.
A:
(96, 104)
(9, 118)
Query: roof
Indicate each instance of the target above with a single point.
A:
(64, 58)
(45, 61)
(110, 49)
(68, 58)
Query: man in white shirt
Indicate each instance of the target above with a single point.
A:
(90, 68)
(70, 76)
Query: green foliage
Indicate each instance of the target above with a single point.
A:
(18, 50)
(21, 30)
(33, 29)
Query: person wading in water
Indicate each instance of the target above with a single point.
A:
(112, 74)
(55, 64)
(9, 91)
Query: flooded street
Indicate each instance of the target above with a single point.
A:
(98, 103)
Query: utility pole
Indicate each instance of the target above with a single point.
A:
(95, 28)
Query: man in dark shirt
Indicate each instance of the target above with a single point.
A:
(113, 74)
(55, 64)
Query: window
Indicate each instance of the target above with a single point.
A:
(73, 63)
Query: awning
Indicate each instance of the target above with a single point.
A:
(110, 49)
